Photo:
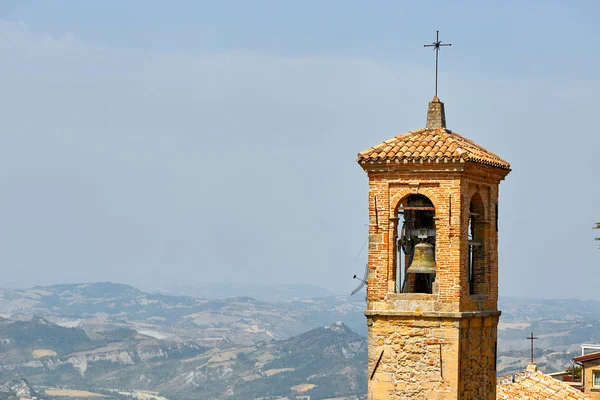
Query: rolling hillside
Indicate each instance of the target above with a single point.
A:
(107, 336)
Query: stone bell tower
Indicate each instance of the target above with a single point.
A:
(432, 294)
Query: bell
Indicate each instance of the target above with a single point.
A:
(423, 260)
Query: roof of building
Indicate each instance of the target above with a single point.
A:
(587, 357)
(431, 146)
(532, 385)
(558, 373)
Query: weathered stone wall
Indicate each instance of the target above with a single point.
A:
(477, 358)
(432, 357)
(419, 358)
(436, 115)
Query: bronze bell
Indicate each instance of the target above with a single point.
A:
(423, 261)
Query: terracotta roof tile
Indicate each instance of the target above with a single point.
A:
(536, 385)
(432, 145)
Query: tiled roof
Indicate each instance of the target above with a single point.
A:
(587, 357)
(431, 145)
(534, 385)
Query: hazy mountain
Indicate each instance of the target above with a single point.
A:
(18, 389)
(243, 320)
(19, 338)
(325, 362)
(47, 353)
(88, 335)
(561, 326)
(270, 293)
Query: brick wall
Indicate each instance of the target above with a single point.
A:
(451, 193)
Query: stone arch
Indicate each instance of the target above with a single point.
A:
(405, 238)
(477, 233)
(468, 196)
(402, 195)
(477, 204)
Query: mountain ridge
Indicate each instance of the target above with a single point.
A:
(315, 363)
(127, 321)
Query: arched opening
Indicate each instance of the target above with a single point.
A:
(415, 264)
(477, 242)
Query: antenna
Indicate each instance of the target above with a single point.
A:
(363, 281)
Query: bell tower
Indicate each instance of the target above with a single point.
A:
(432, 294)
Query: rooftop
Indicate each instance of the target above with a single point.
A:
(438, 145)
(432, 144)
(587, 357)
(535, 385)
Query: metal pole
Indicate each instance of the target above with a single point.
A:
(436, 46)
(437, 51)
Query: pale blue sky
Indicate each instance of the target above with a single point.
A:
(159, 143)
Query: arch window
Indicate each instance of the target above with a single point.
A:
(415, 263)
(477, 243)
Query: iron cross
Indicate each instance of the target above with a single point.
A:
(532, 338)
(436, 46)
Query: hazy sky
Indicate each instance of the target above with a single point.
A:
(164, 143)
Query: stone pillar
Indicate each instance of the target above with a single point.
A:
(436, 116)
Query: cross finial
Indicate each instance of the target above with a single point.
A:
(532, 338)
(436, 46)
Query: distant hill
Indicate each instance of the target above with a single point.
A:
(269, 293)
(244, 320)
(84, 334)
(48, 354)
(561, 326)
(21, 338)
(18, 389)
(332, 358)
(326, 362)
